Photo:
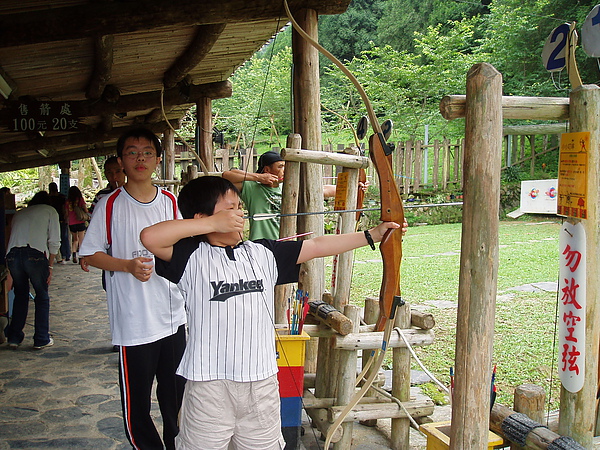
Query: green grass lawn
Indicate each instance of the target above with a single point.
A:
(525, 321)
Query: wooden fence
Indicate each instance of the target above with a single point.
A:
(418, 167)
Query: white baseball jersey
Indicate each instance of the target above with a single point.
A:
(139, 312)
(229, 295)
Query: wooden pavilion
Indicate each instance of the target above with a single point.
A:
(74, 74)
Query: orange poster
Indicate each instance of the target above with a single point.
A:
(572, 175)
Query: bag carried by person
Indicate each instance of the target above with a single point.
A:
(81, 213)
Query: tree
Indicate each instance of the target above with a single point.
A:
(401, 19)
(347, 35)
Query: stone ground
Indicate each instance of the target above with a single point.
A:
(67, 397)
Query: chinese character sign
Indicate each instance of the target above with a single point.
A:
(41, 116)
(572, 174)
(571, 313)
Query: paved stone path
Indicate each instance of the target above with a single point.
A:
(67, 397)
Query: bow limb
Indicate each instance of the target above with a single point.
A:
(392, 210)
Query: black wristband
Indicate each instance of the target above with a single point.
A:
(369, 239)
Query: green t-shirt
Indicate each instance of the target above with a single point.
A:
(261, 199)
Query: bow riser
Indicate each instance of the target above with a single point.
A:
(392, 210)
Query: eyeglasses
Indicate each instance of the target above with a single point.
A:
(134, 155)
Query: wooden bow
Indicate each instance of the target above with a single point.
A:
(391, 244)
(392, 210)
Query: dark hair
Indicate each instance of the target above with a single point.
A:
(4, 190)
(201, 195)
(137, 133)
(112, 160)
(74, 195)
(40, 198)
(53, 187)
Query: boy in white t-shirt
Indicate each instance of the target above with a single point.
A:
(231, 395)
(146, 311)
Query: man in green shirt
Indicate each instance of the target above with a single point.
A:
(261, 193)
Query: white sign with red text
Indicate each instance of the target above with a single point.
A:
(571, 313)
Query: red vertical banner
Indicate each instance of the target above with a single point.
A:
(572, 310)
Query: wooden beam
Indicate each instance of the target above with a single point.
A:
(205, 38)
(72, 140)
(147, 100)
(545, 128)
(533, 108)
(103, 62)
(95, 18)
(25, 163)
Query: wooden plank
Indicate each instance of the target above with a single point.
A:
(400, 434)
(362, 341)
(513, 107)
(201, 44)
(367, 411)
(436, 164)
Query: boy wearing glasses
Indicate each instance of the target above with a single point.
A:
(146, 311)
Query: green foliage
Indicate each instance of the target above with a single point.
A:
(403, 18)
(346, 35)
(434, 393)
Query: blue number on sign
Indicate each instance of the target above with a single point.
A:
(596, 18)
(554, 62)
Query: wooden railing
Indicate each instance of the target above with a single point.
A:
(419, 167)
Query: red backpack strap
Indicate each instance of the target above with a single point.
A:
(109, 209)
(173, 200)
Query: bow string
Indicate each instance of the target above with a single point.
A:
(392, 210)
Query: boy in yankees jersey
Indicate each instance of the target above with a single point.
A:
(146, 312)
(231, 394)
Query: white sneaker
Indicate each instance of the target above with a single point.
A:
(49, 344)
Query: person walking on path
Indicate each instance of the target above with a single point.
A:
(58, 202)
(76, 220)
(34, 241)
(114, 175)
(146, 312)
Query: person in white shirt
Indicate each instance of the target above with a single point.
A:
(32, 247)
(231, 397)
(146, 312)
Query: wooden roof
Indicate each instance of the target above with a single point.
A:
(93, 68)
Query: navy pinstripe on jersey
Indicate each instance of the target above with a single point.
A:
(229, 295)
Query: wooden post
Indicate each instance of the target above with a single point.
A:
(204, 124)
(479, 258)
(341, 295)
(307, 123)
(576, 419)
(287, 225)
(529, 399)
(371, 313)
(347, 376)
(400, 438)
(169, 155)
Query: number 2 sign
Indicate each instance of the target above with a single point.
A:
(554, 53)
(590, 33)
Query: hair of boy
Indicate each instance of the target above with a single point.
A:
(111, 160)
(138, 133)
(40, 198)
(267, 159)
(200, 195)
(53, 188)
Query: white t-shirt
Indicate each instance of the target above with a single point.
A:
(36, 226)
(139, 312)
(229, 295)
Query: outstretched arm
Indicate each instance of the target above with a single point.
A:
(161, 237)
(333, 244)
(237, 177)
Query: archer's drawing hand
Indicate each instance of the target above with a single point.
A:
(228, 220)
(139, 268)
(268, 179)
(378, 232)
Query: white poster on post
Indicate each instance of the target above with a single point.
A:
(571, 312)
